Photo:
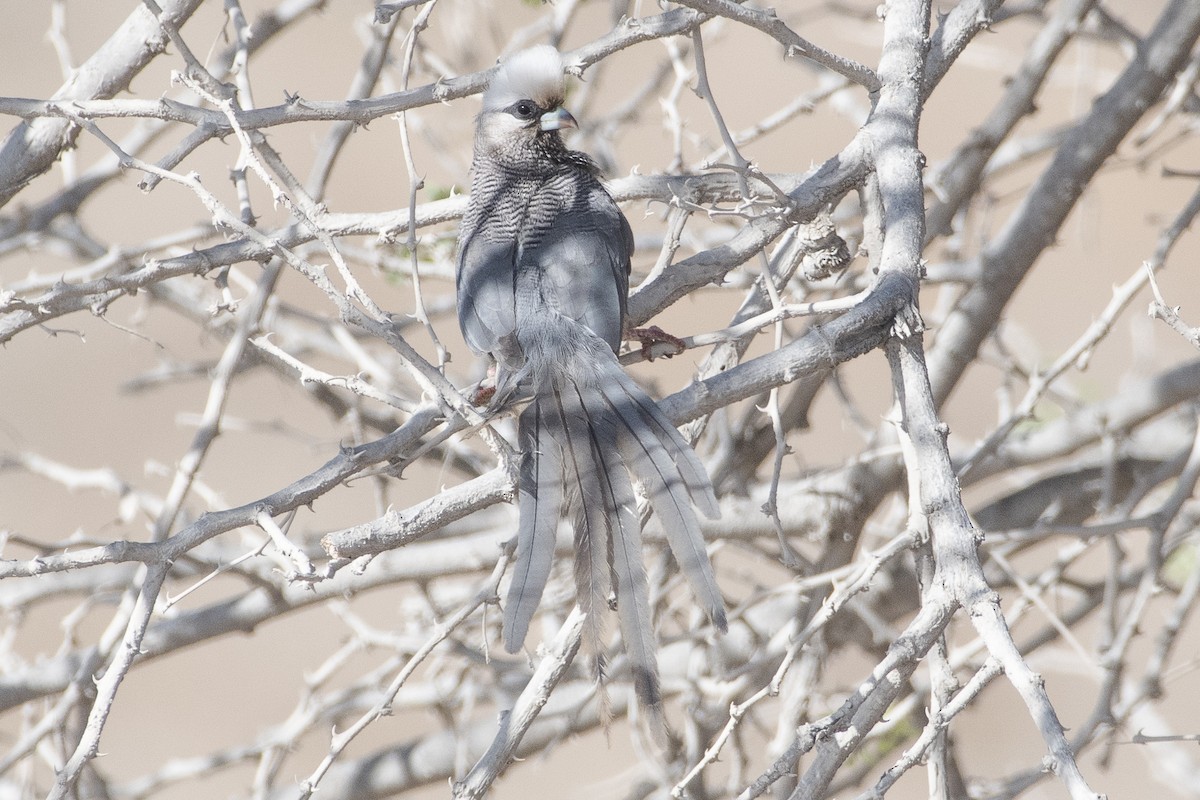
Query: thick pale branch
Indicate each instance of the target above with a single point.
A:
(32, 147)
(300, 493)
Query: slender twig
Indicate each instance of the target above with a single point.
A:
(515, 723)
(415, 184)
(794, 45)
(342, 739)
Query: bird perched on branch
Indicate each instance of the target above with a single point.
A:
(542, 280)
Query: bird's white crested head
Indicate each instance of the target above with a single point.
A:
(533, 74)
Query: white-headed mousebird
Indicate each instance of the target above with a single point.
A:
(543, 277)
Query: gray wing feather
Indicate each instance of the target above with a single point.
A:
(581, 267)
(484, 282)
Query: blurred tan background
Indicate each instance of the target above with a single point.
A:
(64, 396)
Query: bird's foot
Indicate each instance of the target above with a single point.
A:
(483, 395)
(656, 342)
(486, 389)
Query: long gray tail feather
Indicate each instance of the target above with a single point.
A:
(540, 498)
(685, 464)
(593, 520)
(656, 458)
(589, 426)
(628, 570)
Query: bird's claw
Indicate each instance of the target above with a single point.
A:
(654, 335)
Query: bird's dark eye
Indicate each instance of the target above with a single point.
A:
(524, 109)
